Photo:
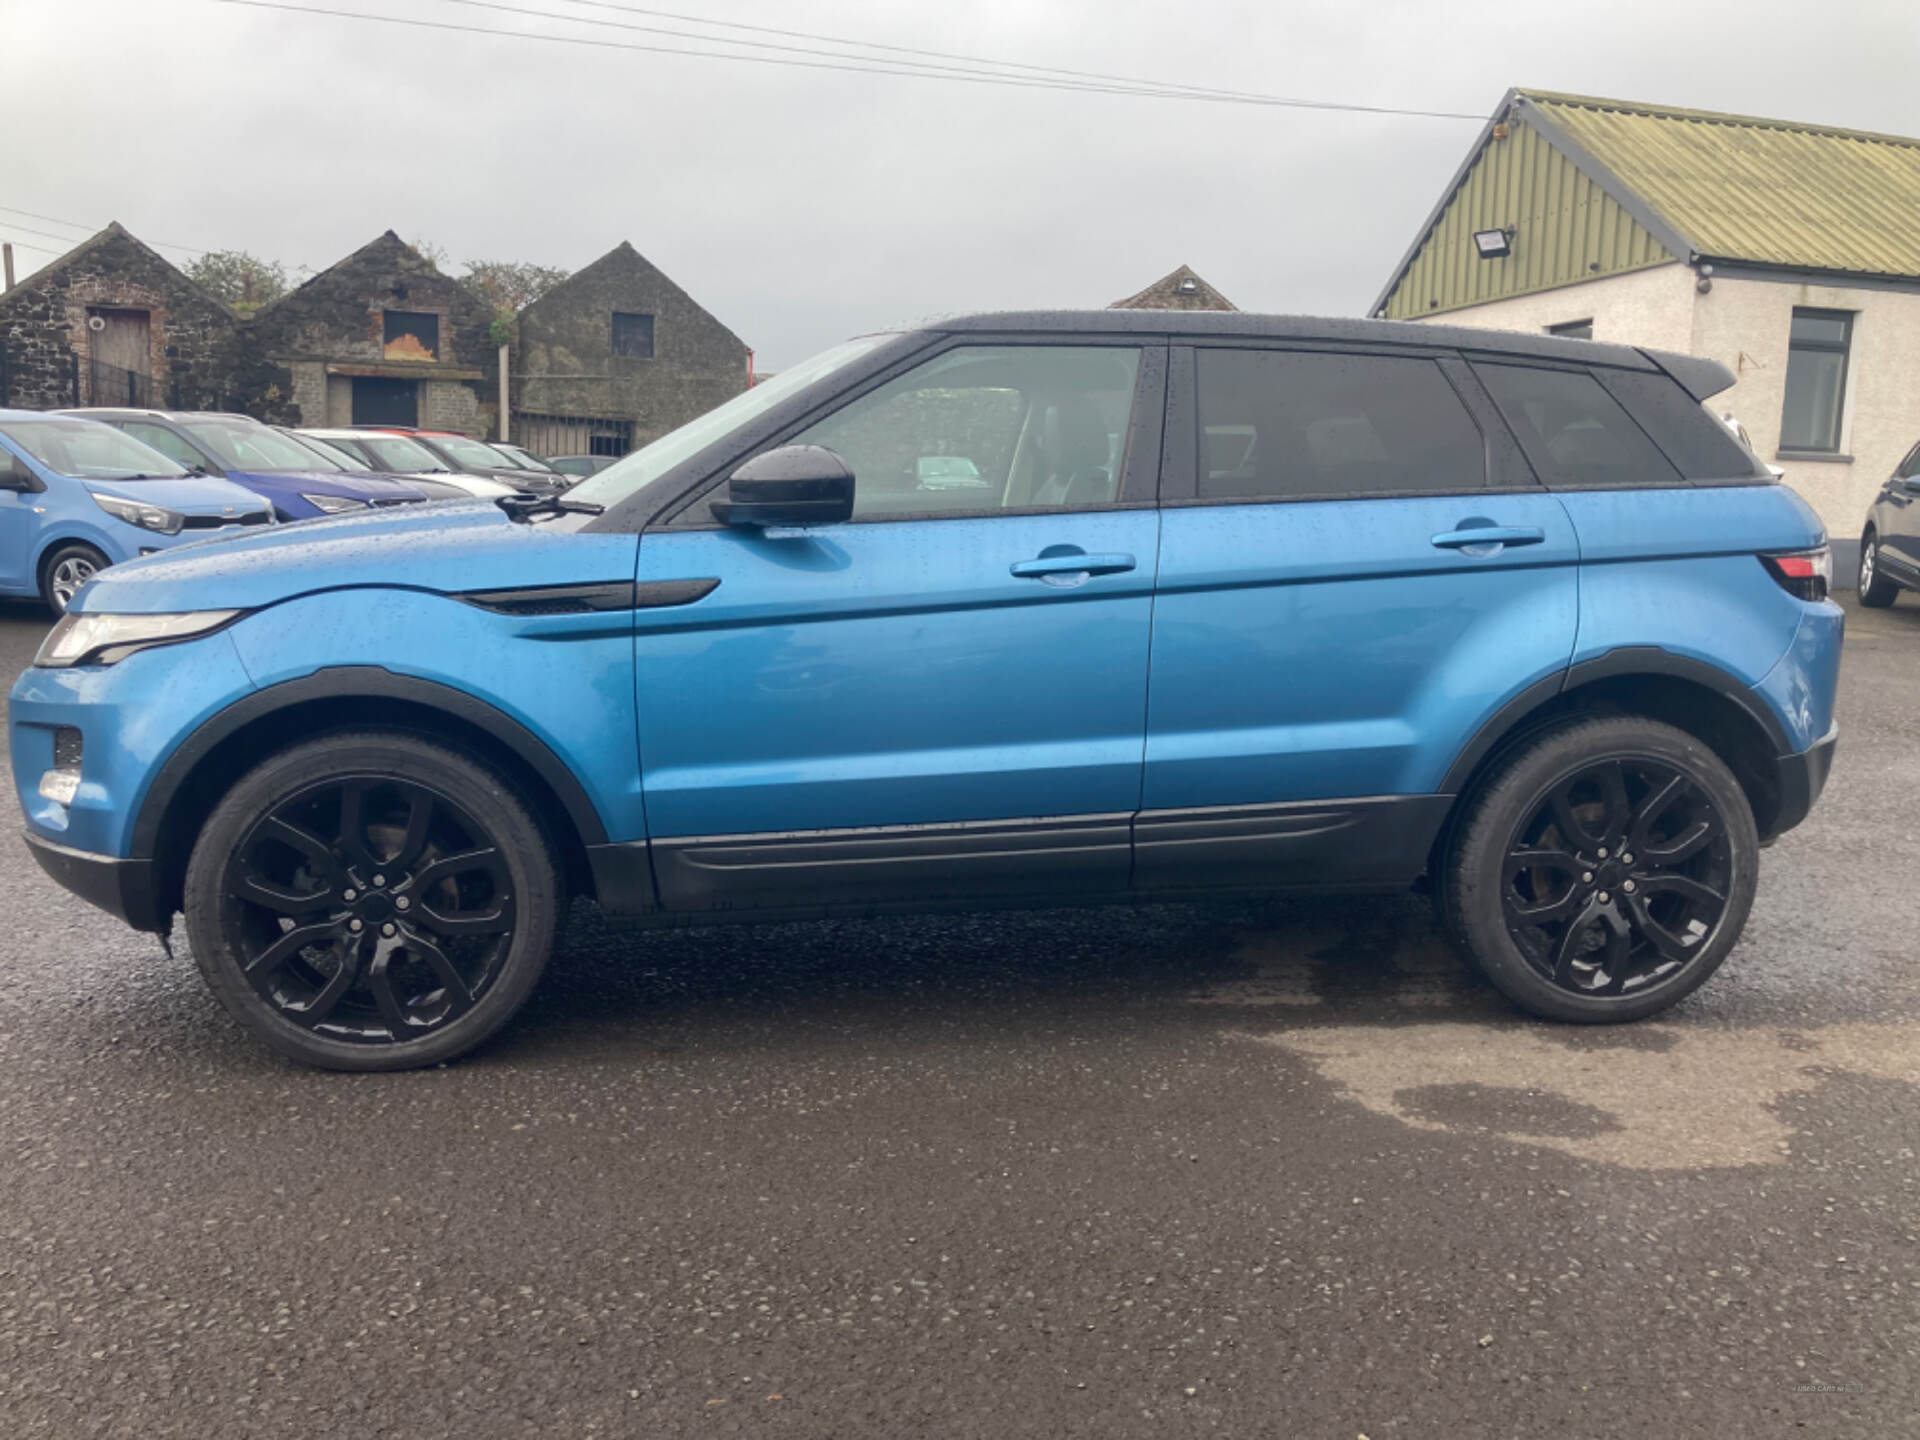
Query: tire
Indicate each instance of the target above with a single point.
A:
(1877, 592)
(425, 887)
(1592, 939)
(65, 570)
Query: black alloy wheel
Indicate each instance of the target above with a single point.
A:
(1602, 871)
(1618, 878)
(371, 902)
(370, 909)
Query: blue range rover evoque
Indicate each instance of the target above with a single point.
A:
(1009, 610)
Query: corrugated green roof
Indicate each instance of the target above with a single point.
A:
(1772, 192)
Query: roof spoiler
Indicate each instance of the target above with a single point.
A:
(1702, 379)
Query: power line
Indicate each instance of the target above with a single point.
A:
(1195, 90)
(91, 230)
(878, 68)
(1076, 79)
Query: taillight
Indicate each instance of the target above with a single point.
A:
(1802, 573)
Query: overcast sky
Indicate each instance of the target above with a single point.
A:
(804, 205)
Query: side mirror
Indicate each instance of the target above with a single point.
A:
(794, 485)
(17, 477)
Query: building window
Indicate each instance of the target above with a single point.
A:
(410, 335)
(1816, 380)
(632, 335)
(1573, 329)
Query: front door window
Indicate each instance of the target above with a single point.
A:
(989, 428)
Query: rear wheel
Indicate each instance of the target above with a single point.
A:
(1604, 872)
(372, 902)
(64, 571)
(1876, 590)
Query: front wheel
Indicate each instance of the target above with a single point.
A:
(372, 902)
(1876, 590)
(68, 568)
(1604, 872)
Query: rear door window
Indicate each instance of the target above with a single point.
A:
(1305, 425)
(1575, 433)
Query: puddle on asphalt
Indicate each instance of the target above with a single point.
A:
(1691, 1099)
(1450, 1056)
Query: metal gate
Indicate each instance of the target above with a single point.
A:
(572, 435)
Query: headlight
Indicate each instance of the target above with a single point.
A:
(147, 517)
(334, 504)
(93, 639)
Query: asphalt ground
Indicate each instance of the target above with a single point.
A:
(1251, 1170)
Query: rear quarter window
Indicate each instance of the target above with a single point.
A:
(1576, 434)
(1699, 444)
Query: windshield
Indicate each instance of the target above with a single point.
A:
(526, 460)
(397, 453)
(472, 452)
(328, 457)
(89, 450)
(243, 445)
(625, 477)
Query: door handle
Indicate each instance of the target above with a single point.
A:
(1486, 539)
(1075, 564)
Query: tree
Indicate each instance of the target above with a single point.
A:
(244, 281)
(511, 285)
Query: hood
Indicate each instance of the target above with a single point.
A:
(447, 548)
(192, 495)
(325, 482)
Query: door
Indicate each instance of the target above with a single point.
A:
(379, 400)
(1901, 543)
(119, 361)
(944, 697)
(1356, 571)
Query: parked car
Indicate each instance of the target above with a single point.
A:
(258, 458)
(582, 465)
(432, 487)
(468, 456)
(1890, 542)
(76, 497)
(1512, 614)
(406, 458)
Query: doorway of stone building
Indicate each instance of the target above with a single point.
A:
(119, 360)
(380, 400)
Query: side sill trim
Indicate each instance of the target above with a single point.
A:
(1375, 841)
(972, 859)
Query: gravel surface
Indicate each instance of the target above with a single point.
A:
(1251, 1170)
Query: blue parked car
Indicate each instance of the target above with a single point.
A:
(1226, 604)
(276, 467)
(76, 497)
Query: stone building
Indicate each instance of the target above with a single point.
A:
(383, 338)
(1787, 251)
(111, 322)
(1182, 290)
(615, 356)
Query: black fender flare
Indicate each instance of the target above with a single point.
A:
(349, 682)
(1624, 660)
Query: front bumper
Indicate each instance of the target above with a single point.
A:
(122, 888)
(1802, 778)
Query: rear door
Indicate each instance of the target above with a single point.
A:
(946, 696)
(1357, 570)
